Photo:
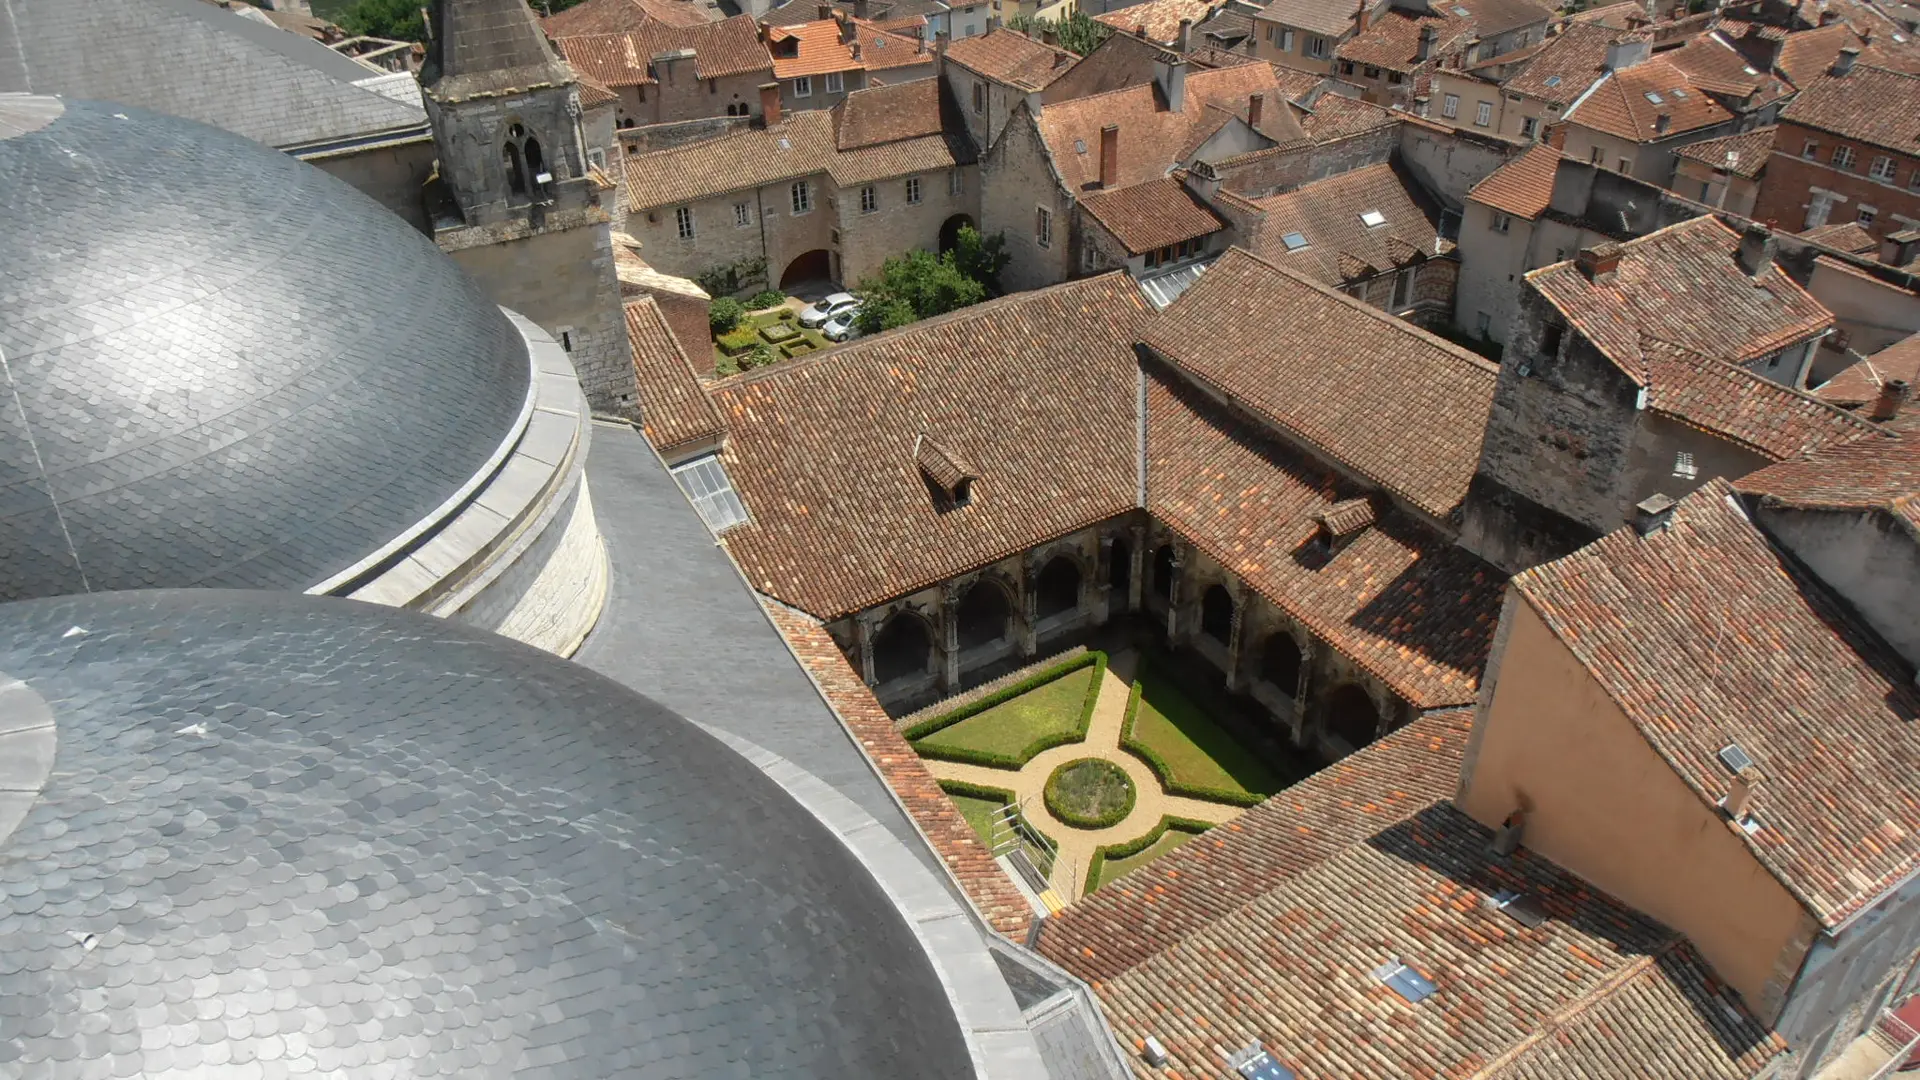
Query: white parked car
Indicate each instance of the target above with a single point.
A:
(840, 327)
(820, 311)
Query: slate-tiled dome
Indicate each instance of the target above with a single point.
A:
(287, 835)
(220, 365)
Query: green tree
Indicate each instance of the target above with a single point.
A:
(981, 257)
(724, 314)
(1076, 33)
(916, 286)
(400, 20)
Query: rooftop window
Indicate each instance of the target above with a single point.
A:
(1405, 981)
(1373, 219)
(1294, 241)
(706, 483)
(1523, 908)
(1553, 80)
(1655, 97)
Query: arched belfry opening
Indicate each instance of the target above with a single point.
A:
(536, 161)
(516, 176)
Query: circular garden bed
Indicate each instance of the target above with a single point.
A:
(1090, 793)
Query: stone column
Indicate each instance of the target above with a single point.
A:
(950, 638)
(1173, 594)
(1137, 556)
(1029, 607)
(1234, 638)
(863, 641)
(1103, 581)
(1300, 695)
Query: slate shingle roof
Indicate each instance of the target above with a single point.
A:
(1132, 919)
(673, 405)
(729, 47)
(1153, 215)
(1522, 187)
(1742, 154)
(1703, 634)
(1596, 989)
(1392, 402)
(1327, 212)
(1619, 105)
(1011, 57)
(1869, 104)
(483, 48)
(1859, 383)
(1682, 285)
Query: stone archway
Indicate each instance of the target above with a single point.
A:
(1352, 716)
(1120, 570)
(950, 231)
(1216, 614)
(984, 616)
(902, 649)
(1057, 589)
(815, 265)
(1163, 573)
(1281, 662)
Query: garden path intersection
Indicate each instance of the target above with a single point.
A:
(1077, 846)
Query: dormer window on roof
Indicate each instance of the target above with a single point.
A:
(1343, 521)
(946, 470)
(1373, 219)
(1523, 908)
(1405, 981)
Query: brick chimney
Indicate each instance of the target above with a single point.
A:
(1844, 62)
(1254, 104)
(1361, 18)
(825, 12)
(770, 103)
(1184, 41)
(1599, 263)
(1109, 156)
(1651, 514)
(1428, 35)
(1756, 250)
(1893, 395)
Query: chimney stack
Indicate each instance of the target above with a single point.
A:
(1255, 102)
(1663, 123)
(770, 103)
(1756, 250)
(1506, 838)
(1109, 156)
(1624, 54)
(1428, 35)
(1829, 17)
(1599, 263)
(1844, 62)
(1651, 514)
(1171, 75)
(1893, 395)
(1739, 800)
(862, 9)
(825, 12)
(1361, 18)
(1184, 42)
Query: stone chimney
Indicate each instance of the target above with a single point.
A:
(1171, 75)
(1663, 123)
(1599, 263)
(824, 12)
(1739, 801)
(770, 103)
(1428, 35)
(1361, 18)
(1109, 156)
(1756, 250)
(862, 9)
(1255, 102)
(1893, 395)
(1624, 54)
(1651, 514)
(1844, 62)
(1184, 41)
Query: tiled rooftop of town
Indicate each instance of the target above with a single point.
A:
(1652, 99)
(720, 49)
(1340, 243)
(1523, 186)
(1153, 215)
(1873, 105)
(1011, 57)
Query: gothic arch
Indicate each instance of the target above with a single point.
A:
(1057, 587)
(1120, 569)
(902, 648)
(1163, 572)
(516, 175)
(1282, 662)
(1216, 614)
(536, 161)
(984, 615)
(1352, 715)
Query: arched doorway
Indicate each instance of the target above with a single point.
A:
(1216, 614)
(903, 649)
(1281, 661)
(1163, 573)
(1057, 591)
(984, 616)
(1352, 717)
(1120, 570)
(950, 231)
(815, 265)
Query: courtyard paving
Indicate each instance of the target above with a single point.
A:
(1028, 783)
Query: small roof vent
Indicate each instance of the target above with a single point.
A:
(1523, 908)
(1343, 521)
(1294, 241)
(1373, 219)
(1405, 981)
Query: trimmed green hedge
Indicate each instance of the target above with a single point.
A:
(1098, 863)
(975, 791)
(1059, 805)
(1165, 772)
(1005, 694)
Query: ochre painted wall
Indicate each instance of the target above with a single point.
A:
(1601, 803)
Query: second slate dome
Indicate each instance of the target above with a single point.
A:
(222, 366)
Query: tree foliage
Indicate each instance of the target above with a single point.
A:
(1076, 33)
(918, 285)
(724, 314)
(981, 257)
(400, 20)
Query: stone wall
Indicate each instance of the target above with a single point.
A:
(1450, 162)
(553, 593)
(393, 176)
(680, 95)
(1017, 179)
(471, 137)
(898, 226)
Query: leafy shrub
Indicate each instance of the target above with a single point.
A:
(1090, 793)
(777, 332)
(765, 299)
(976, 791)
(1126, 848)
(758, 356)
(724, 314)
(740, 340)
(726, 366)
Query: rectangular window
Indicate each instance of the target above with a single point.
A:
(1882, 170)
(1866, 214)
(1270, 35)
(1597, 157)
(1550, 341)
(1483, 114)
(1913, 182)
(1372, 72)
(742, 215)
(1483, 324)
(1811, 150)
(1403, 290)
(956, 183)
(913, 190)
(1706, 191)
(1043, 227)
(1502, 222)
(1450, 106)
(869, 199)
(834, 85)
(1346, 67)
(803, 86)
(1286, 41)
(1626, 167)
(705, 482)
(683, 220)
(597, 157)
(1317, 47)
(979, 96)
(802, 197)
(1843, 157)
(1683, 466)
(1394, 78)
(1530, 127)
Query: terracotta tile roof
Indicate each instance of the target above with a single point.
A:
(1344, 519)
(1737, 404)
(1400, 600)
(1011, 57)
(619, 16)
(1704, 635)
(952, 839)
(1715, 66)
(1880, 475)
(1522, 187)
(1295, 968)
(1387, 400)
(1160, 18)
(811, 48)
(796, 12)
(1805, 56)
(1340, 246)
(1227, 27)
(1494, 17)
(1151, 135)
(1153, 215)
(1329, 18)
(821, 449)
(1869, 104)
(1160, 904)
(1570, 61)
(1619, 105)
(883, 114)
(886, 50)
(1859, 383)
(1392, 40)
(1845, 236)
(1744, 154)
(673, 404)
(1333, 117)
(721, 49)
(1623, 16)
(592, 94)
(1681, 285)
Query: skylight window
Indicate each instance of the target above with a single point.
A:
(1294, 241)
(1523, 908)
(1655, 97)
(1462, 12)
(1373, 219)
(1679, 93)
(1405, 981)
(1735, 758)
(1553, 80)
(706, 484)
(1262, 1067)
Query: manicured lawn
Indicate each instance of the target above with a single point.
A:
(1113, 869)
(768, 318)
(1197, 750)
(979, 814)
(1012, 726)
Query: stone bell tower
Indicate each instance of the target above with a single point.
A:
(515, 200)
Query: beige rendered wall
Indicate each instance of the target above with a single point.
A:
(1601, 803)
